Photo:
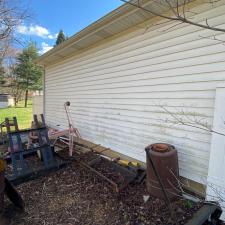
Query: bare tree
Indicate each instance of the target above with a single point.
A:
(175, 10)
(14, 88)
(11, 83)
(12, 14)
(190, 119)
(181, 12)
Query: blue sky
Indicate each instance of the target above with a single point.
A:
(49, 16)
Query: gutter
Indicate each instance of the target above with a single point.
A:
(106, 20)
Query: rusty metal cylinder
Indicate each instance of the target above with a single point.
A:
(165, 160)
(2, 183)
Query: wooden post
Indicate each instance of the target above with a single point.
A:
(216, 171)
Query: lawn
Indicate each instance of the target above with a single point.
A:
(24, 115)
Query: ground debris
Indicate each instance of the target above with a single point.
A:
(76, 196)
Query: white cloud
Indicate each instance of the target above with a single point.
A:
(45, 47)
(50, 36)
(35, 30)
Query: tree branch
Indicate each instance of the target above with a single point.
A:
(177, 17)
(195, 124)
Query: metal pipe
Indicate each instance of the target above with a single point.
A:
(162, 186)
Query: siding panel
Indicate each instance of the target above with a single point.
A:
(117, 90)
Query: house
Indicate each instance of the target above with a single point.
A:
(6, 101)
(37, 103)
(132, 77)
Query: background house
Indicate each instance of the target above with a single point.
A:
(37, 103)
(128, 73)
(6, 100)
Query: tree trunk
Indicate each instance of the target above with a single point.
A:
(26, 97)
(15, 101)
(26, 93)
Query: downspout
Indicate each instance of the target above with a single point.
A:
(44, 92)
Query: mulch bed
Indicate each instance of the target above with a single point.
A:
(74, 195)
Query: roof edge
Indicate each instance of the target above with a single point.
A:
(121, 10)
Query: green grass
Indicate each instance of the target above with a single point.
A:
(24, 115)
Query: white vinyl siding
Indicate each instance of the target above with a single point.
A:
(115, 90)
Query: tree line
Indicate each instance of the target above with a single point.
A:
(19, 74)
(22, 75)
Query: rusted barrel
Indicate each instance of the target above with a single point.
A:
(165, 159)
(2, 183)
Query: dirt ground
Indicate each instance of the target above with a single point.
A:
(74, 195)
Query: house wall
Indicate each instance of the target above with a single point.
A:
(37, 104)
(10, 101)
(6, 101)
(121, 91)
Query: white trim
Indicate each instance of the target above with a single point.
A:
(216, 175)
(44, 92)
